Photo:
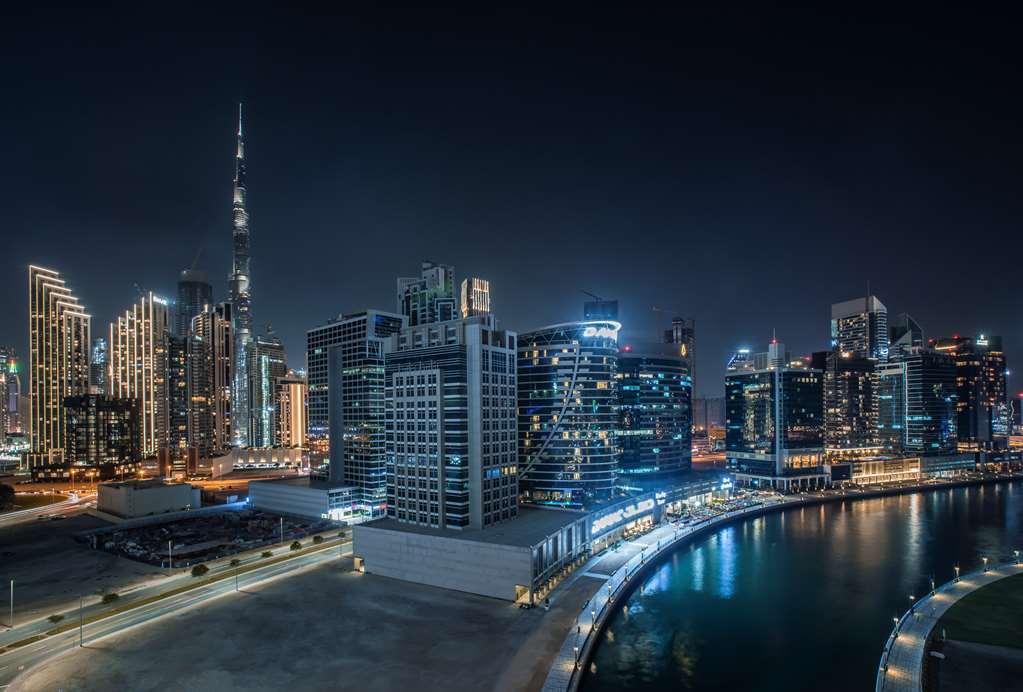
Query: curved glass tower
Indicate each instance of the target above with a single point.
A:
(568, 413)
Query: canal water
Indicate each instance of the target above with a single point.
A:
(802, 599)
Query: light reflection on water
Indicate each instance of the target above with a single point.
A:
(814, 588)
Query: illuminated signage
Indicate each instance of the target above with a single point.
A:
(618, 516)
(603, 332)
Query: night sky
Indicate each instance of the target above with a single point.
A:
(743, 169)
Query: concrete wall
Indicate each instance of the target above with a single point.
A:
(486, 569)
(128, 501)
(288, 498)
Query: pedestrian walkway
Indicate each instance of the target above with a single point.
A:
(902, 662)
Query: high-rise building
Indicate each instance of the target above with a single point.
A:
(740, 359)
(59, 341)
(5, 412)
(210, 362)
(356, 387)
(850, 407)
(177, 391)
(139, 362)
(241, 307)
(891, 397)
(708, 412)
(194, 293)
(98, 364)
(568, 413)
(931, 397)
(102, 435)
(904, 334)
(450, 414)
(10, 373)
(430, 297)
(774, 430)
(980, 384)
(655, 393)
(291, 410)
(475, 297)
(319, 341)
(860, 327)
(683, 333)
(267, 364)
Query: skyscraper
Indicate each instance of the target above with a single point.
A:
(891, 397)
(10, 386)
(177, 391)
(98, 366)
(931, 396)
(210, 362)
(475, 297)
(568, 413)
(980, 383)
(356, 391)
(451, 449)
(267, 363)
(430, 297)
(102, 435)
(291, 410)
(860, 327)
(904, 334)
(318, 343)
(59, 340)
(241, 308)
(194, 294)
(683, 333)
(139, 362)
(850, 406)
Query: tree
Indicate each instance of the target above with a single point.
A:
(55, 618)
(317, 539)
(340, 534)
(267, 553)
(235, 562)
(6, 496)
(200, 570)
(110, 597)
(296, 546)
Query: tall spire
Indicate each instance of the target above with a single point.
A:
(241, 309)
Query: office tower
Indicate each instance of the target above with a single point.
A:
(774, 429)
(600, 310)
(708, 412)
(194, 294)
(10, 368)
(904, 334)
(59, 340)
(450, 416)
(241, 308)
(568, 413)
(430, 297)
(210, 354)
(291, 411)
(102, 435)
(891, 397)
(655, 393)
(267, 364)
(177, 391)
(356, 387)
(860, 327)
(683, 333)
(740, 359)
(850, 406)
(5, 413)
(98, 364)
(475, 297)
(980, 384)
(139, 362)
(319, 341)
(931, 396)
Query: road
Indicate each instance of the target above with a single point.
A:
(20, 659)
(65, 507)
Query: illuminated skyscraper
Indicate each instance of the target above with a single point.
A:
(267, 363)
(860, 327)
(98, 366)
(980, 383)
(210, 362)
(430, 297)
(241, 309)
(850, 406)
(683, 333)
(139, 361)
(194, 294)
(475, 297)
(59, 341)
(291, 411)
(904, 334)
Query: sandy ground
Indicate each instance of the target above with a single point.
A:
(329, 628)
(50, 568)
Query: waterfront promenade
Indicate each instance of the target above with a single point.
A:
(620, 569)
(902, 661)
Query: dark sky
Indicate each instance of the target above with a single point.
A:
(744, 169)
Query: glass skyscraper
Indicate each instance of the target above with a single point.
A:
(860, 327)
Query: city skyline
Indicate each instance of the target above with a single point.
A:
(348, 191)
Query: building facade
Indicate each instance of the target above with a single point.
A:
(891, 397)
(267, 364)
(450, 421)
(98, 363)
(980, 385)
(210, 357)
(194, 293)
(931, 400)
(291, 410)
(430, 297)
(241, 298)
(475, 297)
(59, 342)
(655, 392)
(850, 406)
(860, 327)
(102, 435)
(568, 413)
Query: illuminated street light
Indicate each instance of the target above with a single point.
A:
(1016, 554)
(985, 563)
(956, 568)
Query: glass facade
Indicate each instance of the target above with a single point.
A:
(102, 432)
(655, 416)
(850, 410)
(860, 327)
(931, 398)
(568, 413)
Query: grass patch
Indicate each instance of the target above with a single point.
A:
(33, 501)
(25, 642)
(992, 614)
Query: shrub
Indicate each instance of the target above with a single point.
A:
(55, 618)
(110, 597)
(317, 539)
(200, 570)
(267, 553)
(296, 546)
(340, 534)
(235, 562)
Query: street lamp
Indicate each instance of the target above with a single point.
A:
(956, 568)
(1016, 554)
(985, 563)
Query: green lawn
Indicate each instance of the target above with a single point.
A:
(991, 615)
(32, 501)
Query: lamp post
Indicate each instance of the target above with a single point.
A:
(1016, 554)
(12, 604)
(170, 555)
(956, 568)
(985, 563)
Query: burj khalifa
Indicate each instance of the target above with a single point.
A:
(241, 308)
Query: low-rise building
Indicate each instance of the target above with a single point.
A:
(130, 499)
(304, 497)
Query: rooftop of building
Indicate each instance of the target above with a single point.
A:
(141, 484)
(303, 482)
(530, 527)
